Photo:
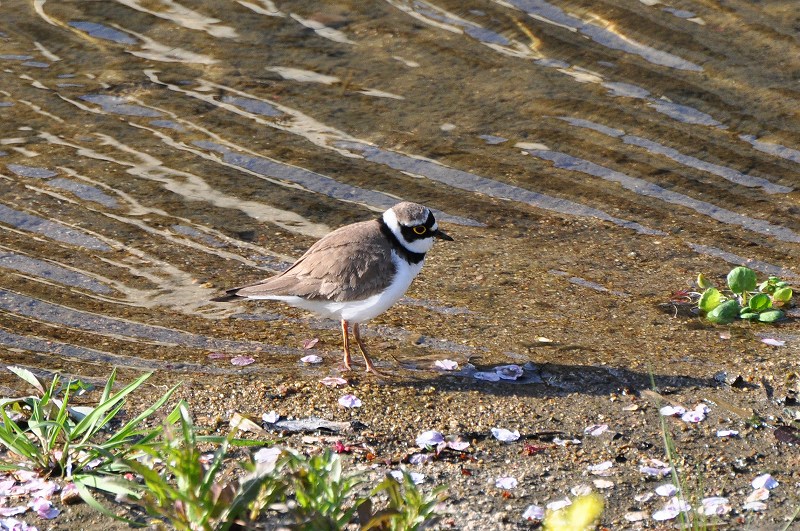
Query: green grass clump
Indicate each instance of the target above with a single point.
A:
(47, 433)
(165, 470)
(303, 493)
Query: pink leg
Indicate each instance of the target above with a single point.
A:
(357, 334)
(346, 339)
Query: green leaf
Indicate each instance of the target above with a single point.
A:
(28, 376)
(82, 483)
(710, 299)
(93, 422)
(749, 316)
(724, 313)
(760, 302)
(770, 316)
(782, 294)
(703, 282)
(742, 280)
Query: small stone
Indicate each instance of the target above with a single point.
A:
(69, 494)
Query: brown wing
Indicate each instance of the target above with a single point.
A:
(350, 263)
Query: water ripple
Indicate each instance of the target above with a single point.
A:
(51, 271)
(546, 12)
(646, 188)
(51, 229)
(474, 183)
(121, 328)
(654, 147)
(90, 355)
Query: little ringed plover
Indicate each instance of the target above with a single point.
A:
(356, 272)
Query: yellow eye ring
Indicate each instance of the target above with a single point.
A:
(419, 230)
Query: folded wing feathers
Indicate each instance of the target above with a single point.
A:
(341, 266)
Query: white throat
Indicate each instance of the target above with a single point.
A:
(417, 246)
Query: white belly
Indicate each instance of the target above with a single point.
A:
(361, 310)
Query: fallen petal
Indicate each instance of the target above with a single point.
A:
(333, 381)
(671, 411)
(267, 455)
(69, 494)
(698, 414)
(559, 504)
(243, 423)
(764, 480)
(773, 342)
(603, 484)
(653, 471)
(727, 433)
(715, 505)
(419, 459)
(458, 445)
(596, 430)
(601, 469)
(309, 343)
(350, 401)
(506, 483)
(682, 505)
(26, 475)
(667, 513)
(533, 512)
(270, 418)
(241, 361)
(416, 477)
(636, 516)
(429, 438)
(504, 435)
(759, 494)
(581, 490)
(666, 490)
(644, 497)
(311, 359)
(755, 506)
(44, 508)
(12, 524)
(488, 376)
(446, 365)
(564, 442)
(11, 511)
(5, 487)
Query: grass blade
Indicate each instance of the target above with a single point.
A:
(28, 376)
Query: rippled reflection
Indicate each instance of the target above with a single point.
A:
(153, 152)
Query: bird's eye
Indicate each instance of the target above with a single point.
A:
(420, 230)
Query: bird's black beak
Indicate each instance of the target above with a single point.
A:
(442, 235)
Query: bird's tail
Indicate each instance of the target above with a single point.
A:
(229, 296)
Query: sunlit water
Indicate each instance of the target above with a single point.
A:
(152, 153)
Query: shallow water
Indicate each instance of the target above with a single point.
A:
(589, 158)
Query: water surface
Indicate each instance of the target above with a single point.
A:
(589, 158)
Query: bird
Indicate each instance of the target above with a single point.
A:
(356, 272)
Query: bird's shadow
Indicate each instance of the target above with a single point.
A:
(539, 380)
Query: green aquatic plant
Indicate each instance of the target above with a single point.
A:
(744, 298)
